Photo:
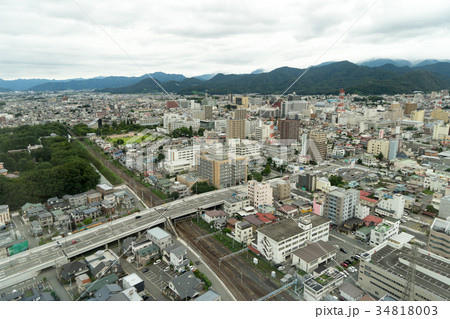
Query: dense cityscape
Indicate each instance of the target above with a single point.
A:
(150, 196)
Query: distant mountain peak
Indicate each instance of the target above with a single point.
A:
(258, 71)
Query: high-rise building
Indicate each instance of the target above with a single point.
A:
(289, 130)
(393, 148)
(242, 102)
(304, 149)
(307, 182)
(320, 139)
(417, 115)
(263, 132)
(221, 170)
(207, 109)
(409, 107)
(439, 238)
(240, 115)
(282, 190)
(260, 193)
(340, 205)
(376, 147)
(439, 114)
(440, 131)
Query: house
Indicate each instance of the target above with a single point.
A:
(36, 228)
(144, 255)
(93, 196)
(30, 212)
(287, 210)
(45, 219)
(350, 292)
(109, 292)
(243, 232)
(81, 281)
(210, 216)
(105, 189)
(176, 256)
(73, 269)
(372, 220)
(317, 287)
(103, 262)
(108, 206)
(93, 287)
(210, 295)
(220, 223)
(184, 287)
(159, 237)
(77, 200)
(254, 221)
(90, 213)
(133, 281)
(364, 233)
(313, 255)
(124, 199)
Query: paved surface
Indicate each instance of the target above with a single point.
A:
(150, 285)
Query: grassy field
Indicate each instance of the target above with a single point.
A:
(136, 139)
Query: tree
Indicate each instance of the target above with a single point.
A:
(266, 171)
(379, 156)
(269, 161)
(335, 180)
(431, 209)
(175, 195)
(120, 141)
(359, 161)
(87, 221)
(161, 157)
(200, 132)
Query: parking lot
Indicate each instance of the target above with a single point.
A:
(157, 275)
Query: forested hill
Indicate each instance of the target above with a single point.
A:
(60, 167)
(324, 79)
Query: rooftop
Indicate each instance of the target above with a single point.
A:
(432, 272)
(158, 233)
(314, 251)
(282, 230)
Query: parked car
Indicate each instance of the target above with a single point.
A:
(167, 268)
(344, 265)
(157, 262)
(74, 241)
(138, 216)
(144, 270)
(347, 261)
(281, 268)
(192, 268)
(343, 250)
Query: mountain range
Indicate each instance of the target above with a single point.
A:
(369, 77)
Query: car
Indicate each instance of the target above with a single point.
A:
(348, 261)
(74, 241)
(192, 268)
(167, 268)
(281, 268)
(335, 246)
(343, 250)
(144, 270)
(138, 216)
(344, 265)
(343, 274)
(157, 262)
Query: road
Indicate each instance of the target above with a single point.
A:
(16, 268)
(244, 281)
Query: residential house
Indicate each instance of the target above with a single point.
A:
(144, 255)
(73, 269)
(210, 216)
(243, 232)
(176, 255)
(93, 196)
(36, 228)
(45, 219)
(81, 281)
(312, 256)
(159, 237)
(350, 292)
(103, 262)
(133, 281)
(184, 287)
(287, 210)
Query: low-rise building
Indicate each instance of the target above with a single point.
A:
(184, 287)
(350, 292)
(313, 255)
(380, 233)
(243, 232)
(176, 256)
(439, 238)
(4, 214)
(159, 237)
(322, 284)
(211, 215)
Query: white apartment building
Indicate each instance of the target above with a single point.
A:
(189, 154)
(175, 167)
(235, 203)
(385, 230)
(391, 207)
(323, 184)
(277, 241)
(259, 193)
(362, 211)
(263, 132)
(243, 232)
(435, 183)
(317, 287)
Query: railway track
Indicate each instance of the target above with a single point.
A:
(245, 282)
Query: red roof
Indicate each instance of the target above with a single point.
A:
(256, 251)
(373, 219)
(286, 208)
(368, 199)
(363, 193)
(267, 216)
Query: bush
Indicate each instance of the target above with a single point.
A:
(87, 221)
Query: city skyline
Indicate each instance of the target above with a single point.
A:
(57, 40)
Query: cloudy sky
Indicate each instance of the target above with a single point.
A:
(86, 38)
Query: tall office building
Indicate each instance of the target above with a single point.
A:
(444, 207)
(304, 149)
(393, 148)
(320, 139)
(340, 205)
(409, 107)
(221, 170)
(440, 131)
(236, 126)
(417, 115)
(439, 114)
(207, 109)
(289, 130)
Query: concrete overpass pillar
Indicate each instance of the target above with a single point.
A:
(118, 244)
(106, 246)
